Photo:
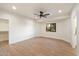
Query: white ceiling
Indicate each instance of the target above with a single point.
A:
(29, 9)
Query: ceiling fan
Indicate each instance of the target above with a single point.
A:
(42, 14)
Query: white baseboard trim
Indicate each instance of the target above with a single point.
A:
(57, 38)
(31, 36)
(25, 38)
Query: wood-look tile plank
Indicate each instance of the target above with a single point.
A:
(38, 46)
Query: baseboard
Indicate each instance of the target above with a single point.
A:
(56, 39)
(32, 36)
(25, 38)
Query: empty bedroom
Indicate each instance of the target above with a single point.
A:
(39, 29)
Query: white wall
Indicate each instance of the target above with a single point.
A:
(4, 25)
(63, 30)
(77, 12)
(75, 41)
(20, 27)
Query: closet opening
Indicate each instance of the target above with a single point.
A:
(4, 32)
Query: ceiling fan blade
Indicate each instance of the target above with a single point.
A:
(36, 14)
(41, 16)
(46, 14)
(41, 12)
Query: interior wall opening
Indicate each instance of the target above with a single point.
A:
(4, 32)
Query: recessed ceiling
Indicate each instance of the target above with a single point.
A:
(29, 9)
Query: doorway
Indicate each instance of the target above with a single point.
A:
(74, 31)
(4, 32)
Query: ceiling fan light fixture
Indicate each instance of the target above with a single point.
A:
(42, 14)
